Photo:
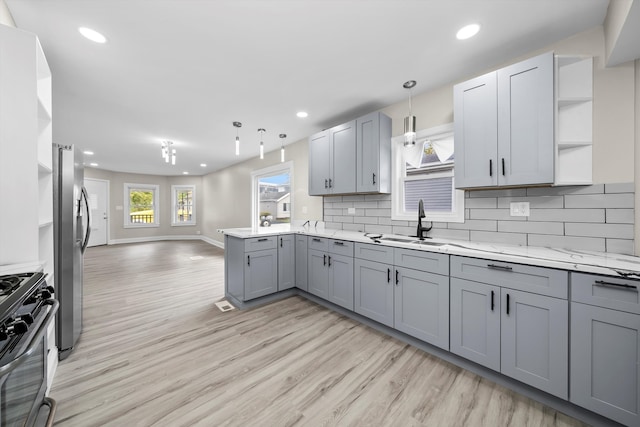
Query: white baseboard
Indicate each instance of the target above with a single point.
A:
(161, 238)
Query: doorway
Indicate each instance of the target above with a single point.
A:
(98, 191)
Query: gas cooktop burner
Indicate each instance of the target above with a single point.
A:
(10, 283)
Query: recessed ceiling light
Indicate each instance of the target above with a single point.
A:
(467, 31)
(204, 165)
(302, 114)
(92, 35)
(93, 164)
(88, 153)
(185, 173)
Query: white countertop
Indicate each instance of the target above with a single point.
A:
(566, 259)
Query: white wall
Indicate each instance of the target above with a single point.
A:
(5, 15)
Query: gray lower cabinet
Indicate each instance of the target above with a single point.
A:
(373, 290)
(301, 262)
(251, 267)
(286, 262)
(421, 305)
(522, 334)
(605, 346)
(330, 270)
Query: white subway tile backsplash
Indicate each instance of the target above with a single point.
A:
(475, 224)
(567, 215)
(625, 187)
(546, 202)
(333, 225)
(620, 216)
(595, 217)
(622, 200)
(569, 242)
(620, 246)
(508, 238)
(531, 227)
(611, 231)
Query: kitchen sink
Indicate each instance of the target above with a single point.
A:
(411, 240)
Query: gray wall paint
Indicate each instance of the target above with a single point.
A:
(597, 217)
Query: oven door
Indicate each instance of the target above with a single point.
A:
(23, 380)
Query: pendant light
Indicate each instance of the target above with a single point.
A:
(261, 130)
(410, 120)
(168, 152)
(237, 125)
(282, 137)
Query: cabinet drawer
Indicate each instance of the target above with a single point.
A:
(319, 243)
(606, 291)
(260, 243)
(539, 280)
(422, 260)
(341, 247)
(375, 253)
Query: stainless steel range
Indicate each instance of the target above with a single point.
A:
(27, 307)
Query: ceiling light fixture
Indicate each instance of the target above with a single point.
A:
(168, 152)
(237, 125)
(92, 35)
(282, 138)
(203, 165)
(410, 120)
(93, 164)
(185, 173)
(88, 153)
(302, 114)
(467, 31)
(261, 130)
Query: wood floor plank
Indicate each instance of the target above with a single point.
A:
(155, 351)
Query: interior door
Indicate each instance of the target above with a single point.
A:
(99, 203)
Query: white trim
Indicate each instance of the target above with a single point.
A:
(161, 238)
(269, 170)
(108, 203)
(156, 205)
(397, 212)
(174, 189)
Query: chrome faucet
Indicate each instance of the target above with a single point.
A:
(421, 230)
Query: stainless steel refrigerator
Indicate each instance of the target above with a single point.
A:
(71, 229)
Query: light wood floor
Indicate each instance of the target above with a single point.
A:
(156, 351)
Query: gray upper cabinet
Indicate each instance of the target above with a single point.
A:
(301, 262)
(504, 128)
(351, 158)
(286, 262)
(373, 153)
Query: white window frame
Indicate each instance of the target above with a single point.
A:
(156, 205)
(399, 175)
(174, 205)
(277, 169)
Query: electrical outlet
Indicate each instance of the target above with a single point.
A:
(351, 211)
(519, 208)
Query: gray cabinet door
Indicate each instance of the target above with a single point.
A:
(374, 290)
(234, 265)
(476, 132)
(341, 280)
(301, 262)
(319, 163)
(343, 158)
(286, 262)
(605, 362)
(260, 273)
(534, 345)
(373, 153)
(525, 122)
(422, 306)
(318, 273)
(475, 322)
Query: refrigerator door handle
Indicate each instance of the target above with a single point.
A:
(88, 233)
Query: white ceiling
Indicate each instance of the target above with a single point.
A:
(184, 70)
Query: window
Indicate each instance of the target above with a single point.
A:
(272, 196)
(183, 202)
(141, 205)
(425, 172)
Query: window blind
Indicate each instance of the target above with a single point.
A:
(434, 192)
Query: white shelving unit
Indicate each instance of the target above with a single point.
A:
(573, 120)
